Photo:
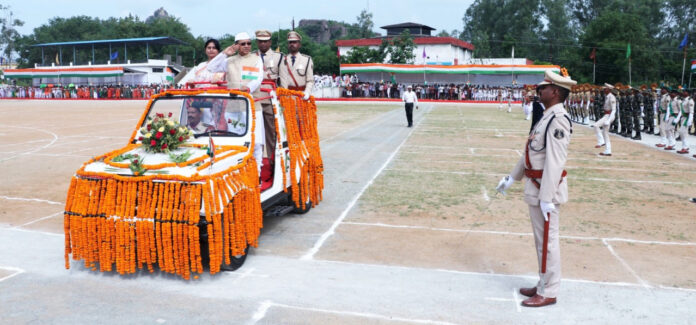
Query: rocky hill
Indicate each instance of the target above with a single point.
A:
(322, 30)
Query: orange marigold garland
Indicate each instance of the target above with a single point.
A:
(136, 222)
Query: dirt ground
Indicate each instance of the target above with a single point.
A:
(439, 192)
(433, 206)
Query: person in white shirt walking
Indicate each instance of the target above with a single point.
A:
(410, 99)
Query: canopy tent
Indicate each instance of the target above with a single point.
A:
(63, 73)
(493, 75)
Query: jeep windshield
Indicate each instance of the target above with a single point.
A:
(215, 115)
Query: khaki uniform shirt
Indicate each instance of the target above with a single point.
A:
(271, 64)
(550, 158)
(302, 72)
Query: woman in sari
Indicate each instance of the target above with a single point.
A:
(200, 73)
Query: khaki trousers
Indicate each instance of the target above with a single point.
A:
(552, 277)
(270, 130)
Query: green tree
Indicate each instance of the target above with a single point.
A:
(364, 54)
(401, 49)
(365, 24)
(8, 31)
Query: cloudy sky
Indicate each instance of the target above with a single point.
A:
(216, 18)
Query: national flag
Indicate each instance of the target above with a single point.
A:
(114, 56)
(593, 55)
(513, 52)
(250, 73)
(628, 51)
(684, 42)
(693, 65)
(424, 53)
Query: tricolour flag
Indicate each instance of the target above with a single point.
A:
(693, 65)
(250, 73)
(424, 52)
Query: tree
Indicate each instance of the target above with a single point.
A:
(401, 48)
(8, 32)
(364, 54)
(365, 24)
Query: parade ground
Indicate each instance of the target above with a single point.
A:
(411, 230)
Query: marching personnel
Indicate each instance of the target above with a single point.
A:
(648, 111)
(586, 107)
(605, 121)
(687, 119)
(271, 66)
(615, 122)
(637, 103)
(546, 189)
(665, 101)
(626, 103)
(297, 70)
(672, 118)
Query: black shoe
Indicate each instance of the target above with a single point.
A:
(693, 199)
(637, 137)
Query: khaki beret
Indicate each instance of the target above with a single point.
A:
(552, 78)
(263, 35)
(294, 36)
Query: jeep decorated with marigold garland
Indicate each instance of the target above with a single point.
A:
(185, 192)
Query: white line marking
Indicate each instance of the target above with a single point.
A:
(40, 219)
(55, 138)
(628, 267)
(247, 273)
(496, 232)
(517, 301)
(485, 194)
(16, 270)
(310, 254)
(471, 150)
(30, 199)
(569, 177)
(366, 315)
(498, 134)
(261, 311)
(34, 232)
(498, 299)
(513, 276)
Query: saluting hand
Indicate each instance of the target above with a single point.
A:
(231, 50)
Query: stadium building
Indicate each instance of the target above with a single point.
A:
(440, 60)
(152, 71)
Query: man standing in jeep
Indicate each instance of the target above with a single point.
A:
(297, 70)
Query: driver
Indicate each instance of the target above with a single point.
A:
(194, 116)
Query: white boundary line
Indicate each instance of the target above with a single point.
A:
(55, 138)
(263, 309)
(30, 199)
(35, 232)
(40, 219)
(373, 120)
(517, 301)
(310, 254)
(569, 177)
(17, 271)
(497, 232)
(628, 267)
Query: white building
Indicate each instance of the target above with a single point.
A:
(437, 50)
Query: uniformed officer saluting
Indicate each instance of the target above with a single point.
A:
(546, 189)
(297, 69)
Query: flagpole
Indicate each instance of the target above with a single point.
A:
(629, 70)
(683, 65)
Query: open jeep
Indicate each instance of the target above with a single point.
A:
(185, 192)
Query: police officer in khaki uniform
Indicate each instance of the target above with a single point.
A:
(297, 70)
(546, 188)
(271, 65)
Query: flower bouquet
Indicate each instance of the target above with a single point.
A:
(161, 134)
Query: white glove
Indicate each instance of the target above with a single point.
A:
(504, 184)
(546, 208)
(306, 96)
